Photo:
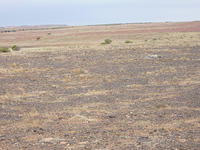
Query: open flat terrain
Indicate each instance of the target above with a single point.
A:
(65, 90)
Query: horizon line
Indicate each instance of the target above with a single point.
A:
(64, 25)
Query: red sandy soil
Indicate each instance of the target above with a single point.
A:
(152, 27)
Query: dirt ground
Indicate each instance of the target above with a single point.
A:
(67, 91)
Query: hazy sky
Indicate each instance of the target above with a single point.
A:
(84, 12)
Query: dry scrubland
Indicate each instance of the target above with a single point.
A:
(65, 90)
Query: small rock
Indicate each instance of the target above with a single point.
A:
(2, 137)
(152, 56)
(36, 130)
(111, 116)
(143, 139)
(63, 143)
(51, 140)
(60, 118)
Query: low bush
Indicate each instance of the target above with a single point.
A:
(128, 41)
(107, 41)
(4, 49)
(15, 48)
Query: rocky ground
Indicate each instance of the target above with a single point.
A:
(131, 98)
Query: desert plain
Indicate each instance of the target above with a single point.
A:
(65, 90)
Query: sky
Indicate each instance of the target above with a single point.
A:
(89, 12)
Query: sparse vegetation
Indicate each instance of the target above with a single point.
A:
(15, 48)
(7, 31)
(128, 41)
(107, 41)
(4, 49)
(67, 82)
(79, 71)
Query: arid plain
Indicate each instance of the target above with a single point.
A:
(65, 90)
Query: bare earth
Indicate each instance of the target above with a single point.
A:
(67, 91)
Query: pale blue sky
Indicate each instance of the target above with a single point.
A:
(85, 12)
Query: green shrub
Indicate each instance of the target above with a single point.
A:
(128, 41)
(15, 48)
(49, 33)
(4, 49)
(107, 41)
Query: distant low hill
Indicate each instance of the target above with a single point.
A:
(26, 27)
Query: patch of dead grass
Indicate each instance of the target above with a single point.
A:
(79, 71)
(162, 71)
(93, 93)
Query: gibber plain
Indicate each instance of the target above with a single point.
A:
(103, 87)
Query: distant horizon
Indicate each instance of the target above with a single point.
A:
(61, 25)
